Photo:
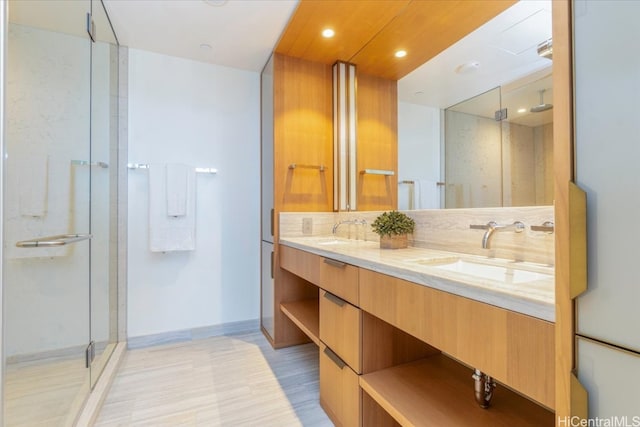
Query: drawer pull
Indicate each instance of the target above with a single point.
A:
(334, 263)
(334, 358)
(334, 299)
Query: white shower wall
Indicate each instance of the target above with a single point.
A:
(207, 116)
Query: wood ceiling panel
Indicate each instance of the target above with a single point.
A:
(424, 29)
(354, 21)
(368, 32)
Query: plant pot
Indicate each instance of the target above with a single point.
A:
(394, 241)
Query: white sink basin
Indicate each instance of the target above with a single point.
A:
(486, 271)
(331, 242)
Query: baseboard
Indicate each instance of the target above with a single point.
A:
(230, 328)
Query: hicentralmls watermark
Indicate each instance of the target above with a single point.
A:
(622, 421)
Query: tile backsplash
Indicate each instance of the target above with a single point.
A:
(445, 229)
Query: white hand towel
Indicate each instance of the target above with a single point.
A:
(56, 219)
(426, 194)
(169, 233)
(177, 176)
(33, 178)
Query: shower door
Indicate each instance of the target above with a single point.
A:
(104, 185)
(60, 200)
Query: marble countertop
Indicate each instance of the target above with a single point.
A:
(524, 287)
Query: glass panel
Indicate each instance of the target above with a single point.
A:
(527, 141)
(104, 186)
(46, 292)
(473, 153)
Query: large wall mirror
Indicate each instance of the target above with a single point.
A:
(475, 122)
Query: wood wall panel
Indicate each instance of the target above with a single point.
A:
(515, 349)
(303, 135)
(564, 174)
(377, 142)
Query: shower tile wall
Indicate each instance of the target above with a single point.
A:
(473, 161)
(478, 149)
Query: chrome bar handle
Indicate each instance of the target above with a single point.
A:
(53, 241)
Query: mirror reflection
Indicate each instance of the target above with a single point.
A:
(475, 122)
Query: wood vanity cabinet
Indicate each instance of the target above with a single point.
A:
(392, 354)
(515, 349)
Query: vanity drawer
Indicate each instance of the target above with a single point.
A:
(340, 279)
(301, 263)
(341, 328)
(340, 394)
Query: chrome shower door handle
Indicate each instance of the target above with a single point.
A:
(53, 241)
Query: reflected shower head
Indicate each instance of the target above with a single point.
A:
(542, 106)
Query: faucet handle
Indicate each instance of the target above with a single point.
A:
(547, 227)
(519, 225)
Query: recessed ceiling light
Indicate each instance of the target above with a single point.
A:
(401, 53)
(205, 46)
(467, 67)
(522, 110)
(327, 33)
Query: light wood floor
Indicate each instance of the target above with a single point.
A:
(222, 381)
(42, 392)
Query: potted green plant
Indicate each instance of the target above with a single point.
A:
(393, 227)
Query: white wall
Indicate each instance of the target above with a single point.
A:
(418, 146)
(207, 116)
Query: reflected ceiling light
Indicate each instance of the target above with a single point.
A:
(522, 110)
(327, 33)
(400, 53)
(467, 67)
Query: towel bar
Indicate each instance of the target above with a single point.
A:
(146, 166)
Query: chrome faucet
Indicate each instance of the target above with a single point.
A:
(348, 221)
(492, 226)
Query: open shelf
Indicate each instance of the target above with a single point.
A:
(305, 314)
(438, 391)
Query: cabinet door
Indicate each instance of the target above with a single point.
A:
(607, 128)
(612, 379)
(266, 151)
(267, 299)
(340, 394)
(340, 328)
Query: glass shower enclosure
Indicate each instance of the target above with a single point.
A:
(60, 207)
(498, 147)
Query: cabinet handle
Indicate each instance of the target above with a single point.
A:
(334, 299)
(334, 263)
(272, 222)
(334, 358)
(272, 264)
